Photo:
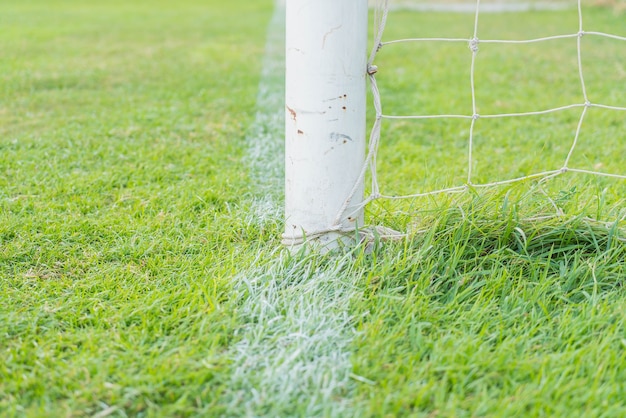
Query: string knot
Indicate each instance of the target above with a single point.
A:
(473, 45)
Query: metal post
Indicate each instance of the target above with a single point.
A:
(326, 60)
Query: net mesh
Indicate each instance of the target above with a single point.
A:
(474, 43)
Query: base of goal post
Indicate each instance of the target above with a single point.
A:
(320, 243)
(337, 241)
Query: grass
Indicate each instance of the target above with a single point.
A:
(481, 316)
(140, 266)
(121, 202)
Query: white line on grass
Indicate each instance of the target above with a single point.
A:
(265, 144)
(293, 353)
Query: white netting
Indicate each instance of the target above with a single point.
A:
(474, 42)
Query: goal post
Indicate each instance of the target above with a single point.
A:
(325, 121)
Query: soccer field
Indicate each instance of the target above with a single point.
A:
(141, 271)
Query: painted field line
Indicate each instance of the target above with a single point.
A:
(293, 351)
(294, 358)
(265, 136)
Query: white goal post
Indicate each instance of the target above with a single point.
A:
(325, 124)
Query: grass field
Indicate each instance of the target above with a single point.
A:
(140, 267)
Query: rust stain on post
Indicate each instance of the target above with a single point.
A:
(292, 112)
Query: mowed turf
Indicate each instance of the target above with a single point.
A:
(121, 223)
(127, 214)
(492, 309)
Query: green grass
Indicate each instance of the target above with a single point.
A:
(136, 264)
(121, 208)
(485, 315)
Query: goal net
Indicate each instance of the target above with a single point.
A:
(487, 96)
